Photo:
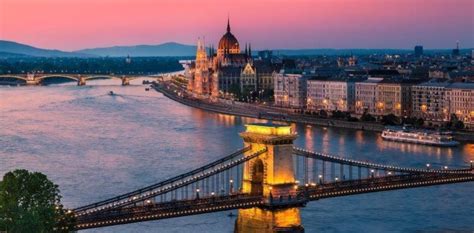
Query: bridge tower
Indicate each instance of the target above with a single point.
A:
(125, 81)
(31, 79)
(272, 176)
(81, 81)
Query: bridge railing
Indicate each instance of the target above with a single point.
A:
(167, 210)
(215, 187)
(377, 184)
(162, 183)
(369, 165)
(220, 176)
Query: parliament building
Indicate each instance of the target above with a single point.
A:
(227, 70)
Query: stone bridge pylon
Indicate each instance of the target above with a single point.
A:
(271, 175)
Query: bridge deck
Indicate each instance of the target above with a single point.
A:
(155, 211)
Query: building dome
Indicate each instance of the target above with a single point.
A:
(229, 42)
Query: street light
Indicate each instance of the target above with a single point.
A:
(427, 166)
(270, 194)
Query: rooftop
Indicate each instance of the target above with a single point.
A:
(469, 86)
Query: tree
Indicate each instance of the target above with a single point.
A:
(419, 122)
(459, 125)
(336, 114)
(323, 113)
(29, 202)
(455, 122)
(367, 117)
(390, 119)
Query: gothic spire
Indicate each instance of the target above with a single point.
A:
(228, 24)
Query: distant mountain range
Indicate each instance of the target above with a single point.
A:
(161, 50)
(13, 49)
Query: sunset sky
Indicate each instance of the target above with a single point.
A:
(267, 24)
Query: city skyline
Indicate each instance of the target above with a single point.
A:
(324, 24)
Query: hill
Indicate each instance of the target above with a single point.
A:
(166, 49)
(7, 48)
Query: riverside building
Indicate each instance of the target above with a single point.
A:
(460, 97)
(290, 90)
(330, 94)
(366, 96)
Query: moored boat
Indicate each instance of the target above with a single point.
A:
(406, 134)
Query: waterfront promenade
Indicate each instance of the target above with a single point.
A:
(256, 111)
(260, 111)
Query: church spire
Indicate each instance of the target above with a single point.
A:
(228, 24)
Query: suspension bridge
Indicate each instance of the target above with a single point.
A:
(268, 181)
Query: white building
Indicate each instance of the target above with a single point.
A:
(290, 90)
(460, 98)
(430, 103)
(366, 96)
(330, 94)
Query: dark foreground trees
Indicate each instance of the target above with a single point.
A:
(29, 202)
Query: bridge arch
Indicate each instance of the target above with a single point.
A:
(105, 76)
(257, 177)
(41, 78)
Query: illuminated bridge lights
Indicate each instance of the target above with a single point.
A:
(102, 214)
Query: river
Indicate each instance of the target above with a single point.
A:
(96, 146)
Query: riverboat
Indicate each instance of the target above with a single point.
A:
(406, 134)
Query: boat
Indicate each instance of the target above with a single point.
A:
(111, 93)
(426, 137)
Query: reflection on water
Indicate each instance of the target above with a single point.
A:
(96, 146)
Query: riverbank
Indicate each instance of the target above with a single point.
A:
(273, 114)
(260, 112)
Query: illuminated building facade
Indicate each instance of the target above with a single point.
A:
(460, 98)
(366, 96)
(217, 72)
(388, 98)
(330, 94)
(430, 102)
(290, 90)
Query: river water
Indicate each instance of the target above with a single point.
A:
(95, 146)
